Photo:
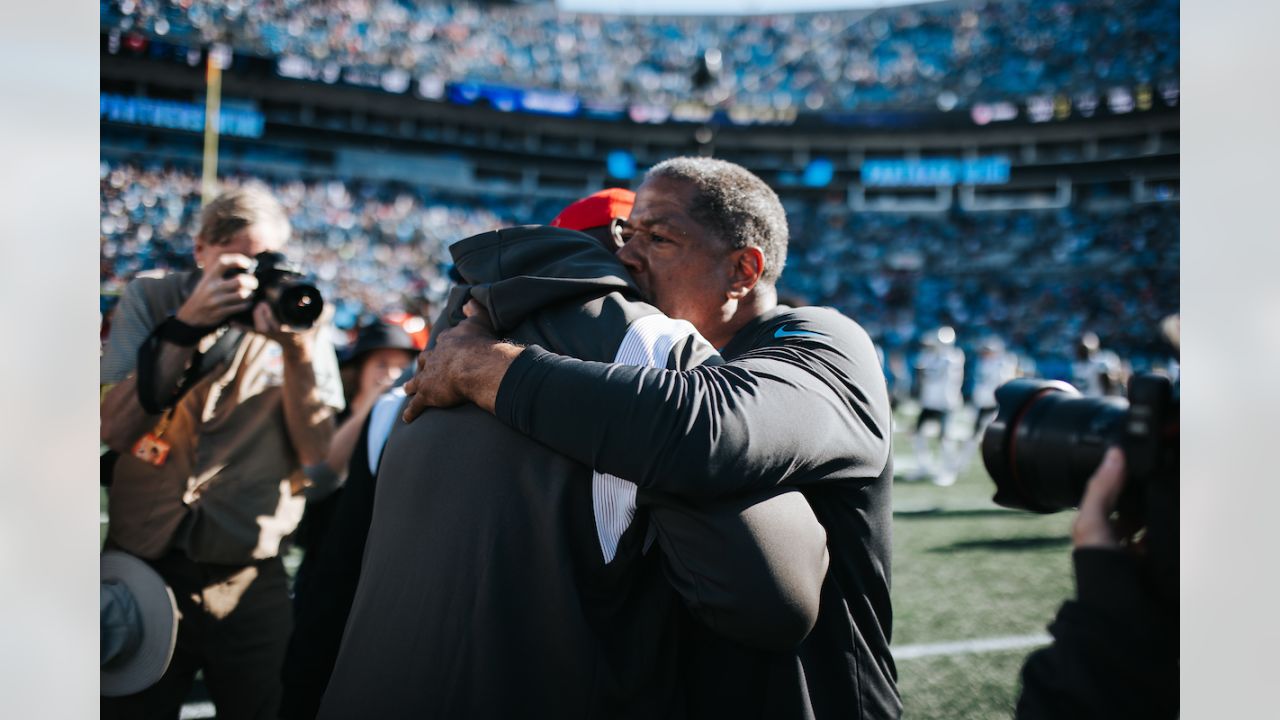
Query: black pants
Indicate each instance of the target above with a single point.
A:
(928, 415)
(234, 623)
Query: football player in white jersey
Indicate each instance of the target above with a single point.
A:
(1096, 372)
(994, 367)
(940, 374)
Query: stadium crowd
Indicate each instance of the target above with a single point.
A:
(937, 55)
(1038, 279)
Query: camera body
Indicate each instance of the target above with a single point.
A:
(283, 286)
(1047, 440)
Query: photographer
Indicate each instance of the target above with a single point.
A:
(1115, 649)
(214, 419)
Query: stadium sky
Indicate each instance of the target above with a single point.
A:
(721, 7)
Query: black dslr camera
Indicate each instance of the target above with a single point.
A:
(294, 301)
(1047, 440)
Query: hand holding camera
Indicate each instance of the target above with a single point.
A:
(264, 293)
(224, 290)
(1050, 449)
(1047, 441)
(1094, 526)
(265, 324)
(293, 304)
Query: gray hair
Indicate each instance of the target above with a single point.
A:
(735, 204)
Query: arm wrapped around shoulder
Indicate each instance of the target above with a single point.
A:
(750, 567)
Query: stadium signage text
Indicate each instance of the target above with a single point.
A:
(176, 115)
(512, 99)
(934, 172)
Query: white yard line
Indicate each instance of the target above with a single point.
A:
(190, 711)
(965, 647)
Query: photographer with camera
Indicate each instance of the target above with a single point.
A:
(1115, 649)
(218, 389)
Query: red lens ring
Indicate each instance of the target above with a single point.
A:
(1010, 461)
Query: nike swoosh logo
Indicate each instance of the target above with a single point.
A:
(783, 332)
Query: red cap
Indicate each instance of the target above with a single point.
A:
(596, 210)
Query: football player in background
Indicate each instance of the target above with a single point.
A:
(940, 374)
(1096, 372)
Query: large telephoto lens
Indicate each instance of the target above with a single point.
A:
(298, 305)
(1046, 441)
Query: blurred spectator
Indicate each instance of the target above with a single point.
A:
(382, 352)
(1171, 332)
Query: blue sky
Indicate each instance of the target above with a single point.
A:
(718, 7)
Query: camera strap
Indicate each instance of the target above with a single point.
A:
(201, 364)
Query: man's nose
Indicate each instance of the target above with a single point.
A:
(631, 257)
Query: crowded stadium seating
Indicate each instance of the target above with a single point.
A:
(1035, 278)
(1081, 233)
(1038, 279)
(935, 56)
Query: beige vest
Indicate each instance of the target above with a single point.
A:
(224, 494)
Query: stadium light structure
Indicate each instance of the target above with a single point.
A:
(219, 57)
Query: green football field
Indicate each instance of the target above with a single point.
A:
(967, 571)
(973, 587)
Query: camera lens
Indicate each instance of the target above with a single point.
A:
(1046, 441)
(299, 305)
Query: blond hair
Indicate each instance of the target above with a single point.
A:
(237, 209)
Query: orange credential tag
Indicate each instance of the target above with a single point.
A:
(152, 449)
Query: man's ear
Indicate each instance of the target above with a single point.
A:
(198, 250)
(615, 232)
(748, 267)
